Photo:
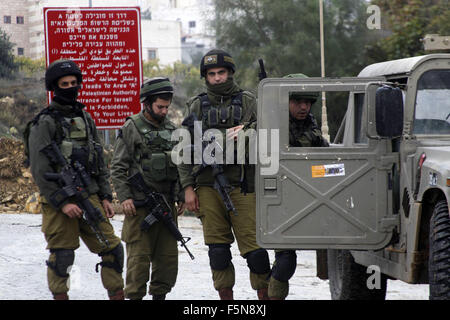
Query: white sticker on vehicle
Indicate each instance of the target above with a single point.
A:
(328, 170)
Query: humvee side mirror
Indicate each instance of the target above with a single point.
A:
(389, 111)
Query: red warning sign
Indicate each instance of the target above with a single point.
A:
(106, 45)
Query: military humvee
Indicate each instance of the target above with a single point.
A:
(377, 198)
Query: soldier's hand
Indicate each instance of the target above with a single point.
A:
(232, 133)
(128, 207)
(72, 210)
(191, 199)
(109, 210)
(181, 206)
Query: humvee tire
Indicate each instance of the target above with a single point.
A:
(439, 258)
(348, 280)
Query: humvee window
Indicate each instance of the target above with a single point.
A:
(305, 118)
(360, 134)
(432, 114)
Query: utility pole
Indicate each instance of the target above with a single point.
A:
(322, 63)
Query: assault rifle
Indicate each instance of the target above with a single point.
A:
(73, 180)
(157, 209)
(221, 183)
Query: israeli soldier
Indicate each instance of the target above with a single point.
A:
(144, 145)
(65, 122)
(303, 132)
(225, 107)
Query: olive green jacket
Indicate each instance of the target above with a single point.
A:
(127, 160)
(42, 133)
(233, 172)
(305, 133)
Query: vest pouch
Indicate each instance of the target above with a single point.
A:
(80, 154)
(213, 118)
(77, 128)
(172, 172)
(224, 115)
(155, 167)
(66, 149)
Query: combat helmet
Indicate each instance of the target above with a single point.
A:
(216, 58)
(312, 96)
(154, 86)
(61, 68)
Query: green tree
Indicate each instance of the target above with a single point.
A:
(30, 67)
(185, 79)
(286, 35)
(7, 64)
(409, 21)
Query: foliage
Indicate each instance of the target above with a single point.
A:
(30, 67)
(286, 34)
(7, 64)
(20, 100)
(409, 21)
(185, 79)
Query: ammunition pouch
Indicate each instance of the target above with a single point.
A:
(159, 167)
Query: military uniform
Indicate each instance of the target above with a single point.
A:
(305, 133)
(225, 106)
(144, 146)
(76, 134)
(302, 133)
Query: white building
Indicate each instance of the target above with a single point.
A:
(197, 36)
(23, 20)
(161, 40)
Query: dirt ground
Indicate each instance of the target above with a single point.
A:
(18, 192)
(16, 182)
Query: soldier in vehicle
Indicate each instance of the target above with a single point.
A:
(225, 106)
(144, 145)
(303, 132)
(65, 122)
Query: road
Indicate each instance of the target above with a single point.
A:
(23, 269)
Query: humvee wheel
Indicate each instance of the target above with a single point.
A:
(348, 280)
(439, 258)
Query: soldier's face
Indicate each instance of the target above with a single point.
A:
(160, 107)
(67, 82)
(299, 108)
(217, 75)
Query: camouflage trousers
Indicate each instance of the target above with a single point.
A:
(155, 250)
(221, 227)
(62, 232)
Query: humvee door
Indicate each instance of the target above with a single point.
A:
(327, 197)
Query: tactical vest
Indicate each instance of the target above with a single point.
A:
(221, 117)
(154, 157)
(74, 136)
(305, 133)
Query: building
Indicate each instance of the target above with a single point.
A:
(14, 21)
(23, 22)
(197, 36)
(161, 40)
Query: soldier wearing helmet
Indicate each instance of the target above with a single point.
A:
(144, 145)
(303, 128)
(303, 132)
(65, 122)
(226, 107)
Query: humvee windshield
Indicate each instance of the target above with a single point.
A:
(432, 114)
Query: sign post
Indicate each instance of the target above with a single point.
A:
(106, 45)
